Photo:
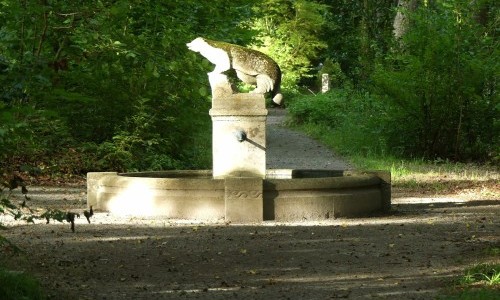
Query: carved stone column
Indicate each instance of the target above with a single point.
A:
(239, 149)
(239, 133)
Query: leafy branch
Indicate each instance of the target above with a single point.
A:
(23, 212)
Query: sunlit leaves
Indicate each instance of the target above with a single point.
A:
(289, 32)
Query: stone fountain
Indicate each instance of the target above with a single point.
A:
(239, 189)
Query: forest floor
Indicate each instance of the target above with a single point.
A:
(415, 252)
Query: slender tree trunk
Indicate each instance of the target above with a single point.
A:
(44, 33)
(400, 24)
(22, 37)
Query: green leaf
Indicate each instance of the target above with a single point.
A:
(155, 72)
(203, 91)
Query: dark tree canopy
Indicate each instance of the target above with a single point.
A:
(110, 85)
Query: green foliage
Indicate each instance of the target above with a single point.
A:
(289, 32)
(336, 76)
(29, 135)
(493, 251)
(18, 285)
(351, 121)
(357, 33)
(441, 85)
(111, 81)
(481, 281)
(111, 85)
(472, 294)
(485, 273)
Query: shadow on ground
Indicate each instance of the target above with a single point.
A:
(416, 252)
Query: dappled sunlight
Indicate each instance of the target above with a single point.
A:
(202, 290)
(471, 182)
(453, 190)
(420, 177)
(205, 211)
(403, 285)
(118, 238)
(339, 285)
(370, 257)
(136, 199)
(428, 200)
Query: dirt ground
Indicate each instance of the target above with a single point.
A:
(414, 252)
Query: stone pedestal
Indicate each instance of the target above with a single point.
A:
(244, 202)
(239, 149)
(239, 136)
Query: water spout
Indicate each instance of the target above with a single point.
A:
(241, 135)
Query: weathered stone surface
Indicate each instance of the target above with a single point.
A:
(281, 197)
(385, 186)
(179, 197)
(239, 189)
(244, 200)
(240, 113)
(93, 179)
(239, 104)
(221, 87)
(251, 66)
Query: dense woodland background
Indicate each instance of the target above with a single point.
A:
(110, 85)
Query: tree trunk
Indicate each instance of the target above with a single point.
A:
(400, 24)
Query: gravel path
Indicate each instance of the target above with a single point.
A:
(287, 149)
(413, 253)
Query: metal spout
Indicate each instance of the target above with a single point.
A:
(241, 135)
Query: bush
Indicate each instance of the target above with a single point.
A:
(114, 90)
(31, 136)
(353, 122)
(337, 78)
(440, 83)
(18, 285)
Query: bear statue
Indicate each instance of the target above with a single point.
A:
(251, 66)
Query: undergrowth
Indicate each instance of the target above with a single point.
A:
(18, 285)
(417, 174)
(353, 125)
(484, 274)
(481, 281)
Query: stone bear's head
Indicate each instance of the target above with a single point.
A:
(197, 45)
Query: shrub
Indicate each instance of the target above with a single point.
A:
(18, 285)
(440, 83)
(352, 121)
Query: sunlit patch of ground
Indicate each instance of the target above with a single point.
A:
(466, 184)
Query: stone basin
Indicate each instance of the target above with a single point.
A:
(239, 188)
(287, 195)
